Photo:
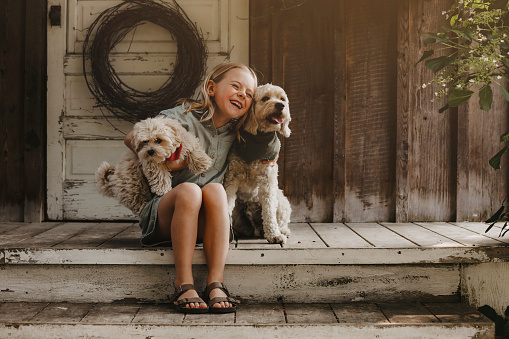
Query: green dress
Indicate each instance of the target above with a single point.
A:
(216, 143)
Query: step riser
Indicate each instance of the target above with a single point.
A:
(290, 283)
(405, 331)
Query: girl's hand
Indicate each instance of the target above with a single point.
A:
(176, 165)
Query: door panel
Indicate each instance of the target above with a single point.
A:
(79, 135)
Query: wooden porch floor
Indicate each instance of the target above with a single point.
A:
(275, 313)
(366, 320)
(310, 243)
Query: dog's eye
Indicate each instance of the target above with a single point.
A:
(283, 99)
(265, 99)
(158, 141)
(145, 141)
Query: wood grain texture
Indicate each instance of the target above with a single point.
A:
(310, 314)
(432, 139)
(306, 75)
(34, 117)
(359, 313)
(63, 313)
(371, 110)
(403, 111)
(407, 313)
(481, 189)
(485, 284)
(12, 55)
(340, 113)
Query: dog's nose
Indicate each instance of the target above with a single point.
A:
(151, 152)
(279, 106)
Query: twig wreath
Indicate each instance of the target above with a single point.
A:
(111, 27)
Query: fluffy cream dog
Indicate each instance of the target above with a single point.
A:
(251, 180)
(136, 175)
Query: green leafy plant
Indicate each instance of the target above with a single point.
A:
(473, 57)
(501, 322)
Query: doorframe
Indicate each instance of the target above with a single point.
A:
(56, 42)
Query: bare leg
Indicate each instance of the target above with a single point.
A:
(177, 215)
(214, 230)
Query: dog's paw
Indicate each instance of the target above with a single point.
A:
(286, 231)
(277, 239)
(199, 162)
(160, 190)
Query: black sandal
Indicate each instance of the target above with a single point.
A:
(216, 300)
(181, 304)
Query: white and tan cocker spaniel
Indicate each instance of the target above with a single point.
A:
(256, 203)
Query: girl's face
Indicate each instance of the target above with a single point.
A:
(232, 95)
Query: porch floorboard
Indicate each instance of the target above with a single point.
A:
(310, 243)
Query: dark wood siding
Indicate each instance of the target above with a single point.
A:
(375, 147)
(22, 109)
(367, 142)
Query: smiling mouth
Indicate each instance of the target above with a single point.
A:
(236, 104)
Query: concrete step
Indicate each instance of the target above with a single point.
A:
(277, 320)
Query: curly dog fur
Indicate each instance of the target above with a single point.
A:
(261, 207)
(135, 176)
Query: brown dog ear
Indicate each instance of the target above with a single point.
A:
(251, 124)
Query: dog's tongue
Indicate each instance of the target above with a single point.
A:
(175, 155)
(278, 120)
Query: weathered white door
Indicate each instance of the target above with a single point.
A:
(79, 137)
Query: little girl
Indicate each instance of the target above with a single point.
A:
(195, 210)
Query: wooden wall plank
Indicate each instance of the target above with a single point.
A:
(340, 112)
(432, 136)
(260, 39)
(35, 111)
(303, 60)
(12, 53)
(481, 189)
(371, 110)
(403, 108)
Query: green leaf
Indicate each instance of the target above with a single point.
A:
(485, 97)
(495, 161)
(505, 61)
(458, 96)
(426, 54)
(462, 34)
(428, 41)
(453, 20)
(504, 137)
(438, 63)
(490, 227)
(502, 233)
(504, 91)
(495, 217)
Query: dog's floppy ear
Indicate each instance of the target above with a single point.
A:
(251, 124)
(135, 140)
(174, 127)
(285, 130)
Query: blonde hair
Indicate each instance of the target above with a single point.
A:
(216, 75)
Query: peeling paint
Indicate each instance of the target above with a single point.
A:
(336, 282)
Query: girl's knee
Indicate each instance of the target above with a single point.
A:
(189, 194)
(214, 193)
